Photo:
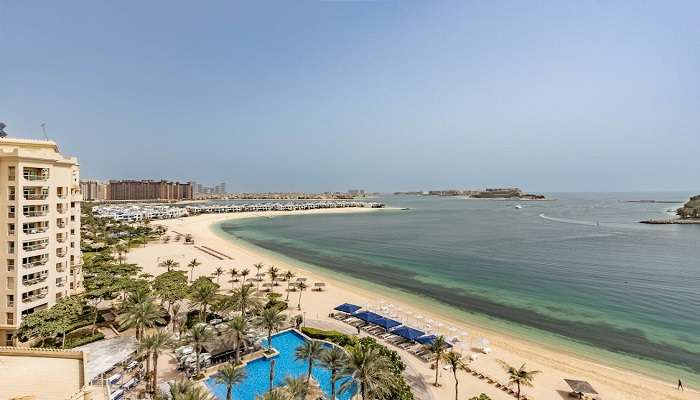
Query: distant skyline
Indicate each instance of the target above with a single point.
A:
(384, 96)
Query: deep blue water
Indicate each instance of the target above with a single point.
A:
(580, 266)
(258, 372)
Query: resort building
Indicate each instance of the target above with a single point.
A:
(40, 227)
(45, 374)
(149, 190)
(93, 190)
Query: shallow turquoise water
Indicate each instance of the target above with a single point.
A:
(258, 371)
(580, 267)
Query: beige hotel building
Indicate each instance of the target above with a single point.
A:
(39, 229)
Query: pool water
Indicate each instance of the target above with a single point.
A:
(258, 371)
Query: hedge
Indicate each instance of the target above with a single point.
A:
(331, 336)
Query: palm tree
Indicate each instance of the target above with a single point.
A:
(273, 272)
(310, 351)
(238, 327)
(437, 348)
(288, 277)
(519, 376)
(454, 360)
(333, 359)
(244, 273)
(258, 267)
(233, 272)
(141, 315)
(246, 298)
(230, 376)
(121, 249)
(295, 388)
(271, 319)
(301, 286)
(217, 273)
(170, 264)
(192, 265)
(189, 390)
(202, 296)
(156, 343)
(197, 336)
(368, 369)
(273, 395)
(176, 318)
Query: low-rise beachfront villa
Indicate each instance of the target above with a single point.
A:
(141, 212)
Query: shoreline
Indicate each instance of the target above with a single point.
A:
(557, 363)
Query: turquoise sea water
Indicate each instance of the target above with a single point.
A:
(257, 382)
(580, 268)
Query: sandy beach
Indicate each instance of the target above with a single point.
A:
(555, 364)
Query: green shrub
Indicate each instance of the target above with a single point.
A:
(331, 336)
(74, 340)
(83, 340)
(482, 396)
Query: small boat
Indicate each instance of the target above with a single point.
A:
(518, 206)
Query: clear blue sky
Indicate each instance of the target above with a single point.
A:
(382, 95)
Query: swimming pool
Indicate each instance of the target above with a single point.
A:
(258, 371)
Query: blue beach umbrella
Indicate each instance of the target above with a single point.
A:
(387, 323)
(347, 308)
(428, 340)
(407, 332)
(368, 316)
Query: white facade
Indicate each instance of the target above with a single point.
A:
(40, 259)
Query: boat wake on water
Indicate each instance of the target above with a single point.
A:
(570, 221)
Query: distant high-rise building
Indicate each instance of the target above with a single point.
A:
(93, 190)
(356, 192)
(41, 256)
(149, 190)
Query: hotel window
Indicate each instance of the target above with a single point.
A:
(8, 339)
(10, 229)
(10, 264)
(10, 300)
(10, 282)
(10, 318)
(10, 211)
(11, 247)
(11, 193)
(72, 218)
(11, 173)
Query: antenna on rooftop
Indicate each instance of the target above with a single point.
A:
(3, 134)
(43, 130)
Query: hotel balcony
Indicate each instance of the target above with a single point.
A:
(34, 280)
(61, 252)
(60, 267)
(35, 245)
(36, 193)
(60, 237)
(35, 261)
(61, 208)
(35, 227)
(61, 223)
(35, 295)
(36, 174)
(60, 282)
(35, 211)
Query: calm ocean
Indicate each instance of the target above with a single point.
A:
(580, 268)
